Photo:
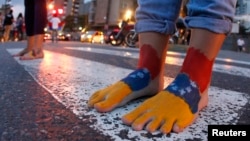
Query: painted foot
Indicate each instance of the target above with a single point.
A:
(172, 109)
(136, 84)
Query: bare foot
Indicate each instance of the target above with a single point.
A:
(21, 53)
(172, 109)
(136, 84)
(32, 55)
(38, 54)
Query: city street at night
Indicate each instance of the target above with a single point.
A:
(46, 99)
(56, 55)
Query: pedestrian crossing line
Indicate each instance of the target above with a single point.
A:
(227, 69)
(72, 80)
(217, 59)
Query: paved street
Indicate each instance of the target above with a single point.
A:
(46, 99)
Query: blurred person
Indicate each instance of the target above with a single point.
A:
(19, 26)
(35, 22)
(55, 23)
(176, 106)
(240, 44)
(8, 24)
(1, 26)
(1, 20)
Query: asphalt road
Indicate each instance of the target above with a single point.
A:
(45, 99)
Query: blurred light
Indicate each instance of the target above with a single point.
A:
(89, 36)
(68, 35)
(54, 11)
(50, 6)
(120, 24)
(60, 11)
(228, 60)
(83, 36)
(128, 14)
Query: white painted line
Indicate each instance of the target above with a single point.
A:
(72, 80)
(228, 69)
(218, 58)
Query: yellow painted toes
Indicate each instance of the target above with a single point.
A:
(121, 92)
(154, 124)
(109, 98)
(160, 112)
(98, 96)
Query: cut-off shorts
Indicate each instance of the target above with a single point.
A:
(161, 15)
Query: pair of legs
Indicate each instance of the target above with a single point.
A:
(178, 105)
(20, 33)
(155, 112)
(6, 34)
(54, 35)
(35, 21)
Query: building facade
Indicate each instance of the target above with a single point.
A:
(242, 15)
(110, 12)
(243, 7)
(5, 6)
(70, 7)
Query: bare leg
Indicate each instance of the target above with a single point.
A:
(6, 34)
(147, 79)
(178, 105)
(38, 50)
(34, 48)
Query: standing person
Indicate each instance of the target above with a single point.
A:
(8, 23)
(19, 26)
(240, 44)
(35, 22)
(1, 26)
(178, 105)
(55, 22)
(1, 20)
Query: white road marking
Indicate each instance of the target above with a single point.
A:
(218, 58)
(228, 69)
(72, 80)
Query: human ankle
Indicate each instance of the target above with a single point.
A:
(198, 67)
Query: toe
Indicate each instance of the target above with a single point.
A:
(141, 121)
(167, 126)
(96, 97)
(154, 125)
(133, 115)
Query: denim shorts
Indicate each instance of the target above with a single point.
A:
(161, 15)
